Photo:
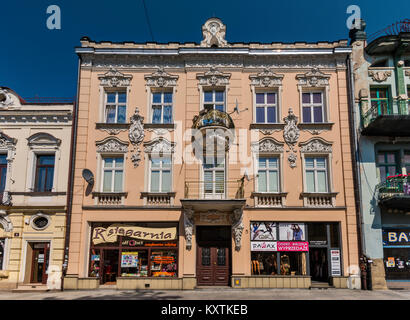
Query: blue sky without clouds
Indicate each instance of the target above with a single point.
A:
(37, 61)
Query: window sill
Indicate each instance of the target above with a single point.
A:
(319, 199)
(269, 199)
(158, 198)
(159, 125)
(316, 125)
(272, 126)
(38, 194)
(109, 198)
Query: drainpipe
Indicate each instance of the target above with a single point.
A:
(356, 166)
(71, 178)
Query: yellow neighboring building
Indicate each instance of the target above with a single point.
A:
(35, 142)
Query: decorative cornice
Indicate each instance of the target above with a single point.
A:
(213, 32)
(114, 78)
(112, 145)
(35, 116)
(379, 76)
(316, 145)
(213, 77)
(160, 79)
(159, 146)
(7, 142)
(266, 78)
(313, 78)
(267, 145)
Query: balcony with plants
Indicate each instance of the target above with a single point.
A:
(394, 193)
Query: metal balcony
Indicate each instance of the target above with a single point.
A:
(394, 193)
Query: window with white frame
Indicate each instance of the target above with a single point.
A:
(115, 106)
(266, 107)
(316, 173)
(214, 99)
(214, 175)
(113, 173)
(268, 174)
(160, 174)
(161, 103)
(313, 107)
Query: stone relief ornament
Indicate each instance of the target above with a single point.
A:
(316, 145)
(5, 98)
(6, 199)
(5, 221)
(136, 135)
(313, 78)
(266, 78)
(112, 145)
(213, 216)
(114, 78)
(161, 79)
(379, 76)
(213, 32)
(407, 73)
(292, 159)
(268, 132)
(113, 131)
(213, 77)
(189, 226)
(160, 131)
(267, 145)
(237, 227)
(291, 131)
(159, 145)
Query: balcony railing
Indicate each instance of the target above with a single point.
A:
(394, 186)
(212, 117)
(214, 190)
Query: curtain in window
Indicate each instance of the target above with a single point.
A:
(156, 116)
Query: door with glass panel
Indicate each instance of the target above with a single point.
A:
(39, 263)
(214, 178)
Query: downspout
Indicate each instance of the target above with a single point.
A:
(71, 178)
(356, 166)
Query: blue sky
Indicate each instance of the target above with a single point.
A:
(37, 61)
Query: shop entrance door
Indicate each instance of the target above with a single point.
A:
(318, 264)
(39, 263)
(213, 256)
(109, 266)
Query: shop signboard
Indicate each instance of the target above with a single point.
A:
(265, 231)
(263, 246)
(110, 234)
(335, 262)
(293, 246)
(396, 237)
(292, 231)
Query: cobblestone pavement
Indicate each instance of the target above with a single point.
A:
(212, 294)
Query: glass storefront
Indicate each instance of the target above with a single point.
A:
(133, 250)
(396, 251)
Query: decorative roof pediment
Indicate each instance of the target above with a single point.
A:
(158, 146)
(213, 32)
(43, 139)
(266, 78)
(112, 145)
(7, 142)
(316, 145)
(313, 78)
(160, 79)
(213, 77)
(267, 145)
(114, 78)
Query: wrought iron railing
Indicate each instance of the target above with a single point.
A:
(394, 186)
(393, 29)
(383, 108)
(220, 189)
(213, 117)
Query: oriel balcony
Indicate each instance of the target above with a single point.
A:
(222, 195)
(386, 118)
(394, 193)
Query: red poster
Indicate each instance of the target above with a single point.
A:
(293, 246)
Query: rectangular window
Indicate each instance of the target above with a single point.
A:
(264, 263)
(266, 107)
(44, 173)
(313, 107)
(161, 175)
(380, 101)
(161, 107)
(268, 175)
(214, 176)
(115, 106)
(3, 171)
(316, 174)
(113, 171)
(387, 162)
(214, 99)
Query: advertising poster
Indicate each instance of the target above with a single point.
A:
(263, 231)
(293, 246)
(129, 260)
(390, 262)
(95, 257)
(263, 246)
(335, 262)
(292, 231)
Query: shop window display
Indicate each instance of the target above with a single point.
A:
(134, 263)
(163, 263)
(397, 263)
(264, 263)
(293, 263)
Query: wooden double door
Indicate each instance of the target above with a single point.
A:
(213, 256)
(39, 263)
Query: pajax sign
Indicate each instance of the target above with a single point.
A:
(110, 234)
(396, 237)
